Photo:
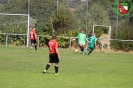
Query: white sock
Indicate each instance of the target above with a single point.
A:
(31, 48)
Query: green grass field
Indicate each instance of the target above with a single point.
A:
(22, 68)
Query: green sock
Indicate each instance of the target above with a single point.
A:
(85, 51)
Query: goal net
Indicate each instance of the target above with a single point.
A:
(104, 35)
(15, 22)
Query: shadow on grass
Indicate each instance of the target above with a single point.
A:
(47, 73)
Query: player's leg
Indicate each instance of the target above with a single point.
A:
(35, 45)
(51, 56)
(82, 48)
(82, 45)
(56, 68)
(56, 64)
(91, 49)
(32, 44)
(47, 67)
(86, 50)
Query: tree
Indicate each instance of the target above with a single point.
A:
(64, 20)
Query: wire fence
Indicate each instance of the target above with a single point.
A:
(9, 39)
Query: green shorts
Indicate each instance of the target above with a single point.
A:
(81, 42)
(91, 47)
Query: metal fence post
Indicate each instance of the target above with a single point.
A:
(6, 39)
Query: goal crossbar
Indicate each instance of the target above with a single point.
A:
(109, 32)
(13, 14)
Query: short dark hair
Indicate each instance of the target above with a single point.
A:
(54, 36)
(89, 35)
(33, 27)
(82, 30)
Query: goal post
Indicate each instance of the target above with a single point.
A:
(109, 35)
(25, 20)
(28, 26)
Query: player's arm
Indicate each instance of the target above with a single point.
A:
(35, 35)
(86, 39)
(95, 42)
(57, 51)
(75, 38)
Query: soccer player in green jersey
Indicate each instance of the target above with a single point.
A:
(81, 40)
(92, 44)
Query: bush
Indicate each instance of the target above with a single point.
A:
(123, 34)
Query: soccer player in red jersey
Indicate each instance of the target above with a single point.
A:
(54, 55)
(33, 38)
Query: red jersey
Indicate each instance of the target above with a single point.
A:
(52, 44)
(32, 34)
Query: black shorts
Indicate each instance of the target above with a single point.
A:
(53, 58)
(33, 41)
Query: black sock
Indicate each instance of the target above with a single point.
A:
(83, 48)
(35, 47)
(56, 69)
(80, 48)
(90, 51)
(47, 66)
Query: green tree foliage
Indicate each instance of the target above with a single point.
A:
(80, 13)
(98, 14)
(16, 6)
(42, 9)
(64, 20)
(123, 34)
(100, 30)
(64, 42)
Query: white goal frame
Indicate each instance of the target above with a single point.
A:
(109, 34)
(28, 19)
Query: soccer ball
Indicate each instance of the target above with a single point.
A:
(76, 50)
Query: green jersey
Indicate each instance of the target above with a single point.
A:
(92, 40)
(81, 38)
